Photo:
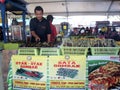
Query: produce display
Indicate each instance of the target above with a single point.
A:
(74, 42)
(86, 42)
(107, 75)
(102, 43)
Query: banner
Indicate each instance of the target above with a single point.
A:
(29, 71)
(67, 71)
(104, 72)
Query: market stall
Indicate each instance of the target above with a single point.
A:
(73, 62)
(67, 66)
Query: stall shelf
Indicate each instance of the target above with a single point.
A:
(28, 51)
(13, 6)
(104, 50)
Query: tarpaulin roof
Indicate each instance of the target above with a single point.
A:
(75, 7)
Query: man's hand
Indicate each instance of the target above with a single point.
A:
(48, 38)
(37, 39)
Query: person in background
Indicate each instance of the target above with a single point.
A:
(108, 33)
(39, 27)
(96, 30)
(91, 30)
(75, 32)
(87, 31)
(82, 31)
(101, 35)
(115, 35)
(53, 28)
(104, 30)
(1, 34)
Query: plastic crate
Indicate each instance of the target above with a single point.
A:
(1, 45)
(28, 51)
(50, 51)
(11, 46)
(104, 50)
(74, 50)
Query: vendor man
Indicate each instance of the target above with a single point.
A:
(39, 27)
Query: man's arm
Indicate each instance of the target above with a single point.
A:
(48, 32)
(37, 38)
(48, 37)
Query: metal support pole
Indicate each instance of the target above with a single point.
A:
(3, 21)
(7, 29)
(24, 24)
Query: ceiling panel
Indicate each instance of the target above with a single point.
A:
(75, 6)
(42, 1)
(115, 6)
(48, 7)
(88, 6)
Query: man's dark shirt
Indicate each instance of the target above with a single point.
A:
(41, 28)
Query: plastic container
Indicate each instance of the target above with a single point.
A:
(104, 50)
(50, 51)
(28, 51)
(74, 50)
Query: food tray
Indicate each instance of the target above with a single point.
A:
(104, 50)
(50, 51)
(74, 50)
(28, 51)
(118, 43)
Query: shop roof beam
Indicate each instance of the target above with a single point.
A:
(84, 12)
(21, 7)
(90, 0)
(56, 1)
(109, 8)
(67, 11)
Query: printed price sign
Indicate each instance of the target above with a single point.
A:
(67, 71)
(29, 71)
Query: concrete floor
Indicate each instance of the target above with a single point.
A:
(1, 80)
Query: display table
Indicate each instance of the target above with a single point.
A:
(69, 69)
